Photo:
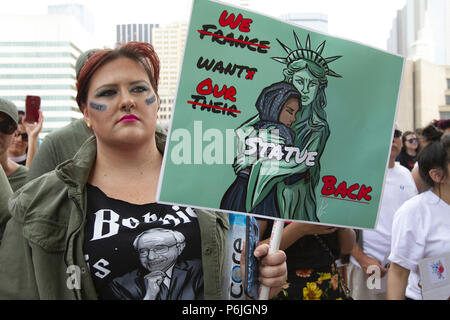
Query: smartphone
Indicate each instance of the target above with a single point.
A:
(251, 282)
(32, 106)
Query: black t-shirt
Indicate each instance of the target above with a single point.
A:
(149, 251)
(309, 252)
(406, 160)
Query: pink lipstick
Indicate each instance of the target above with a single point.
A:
(129, 118)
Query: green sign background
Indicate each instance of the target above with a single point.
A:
(360, 109)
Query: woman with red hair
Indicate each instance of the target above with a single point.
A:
(78, 232)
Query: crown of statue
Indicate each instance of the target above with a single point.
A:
(306, 53)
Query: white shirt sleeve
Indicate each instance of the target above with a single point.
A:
(408, 237)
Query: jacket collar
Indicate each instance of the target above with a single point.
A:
(75, 172)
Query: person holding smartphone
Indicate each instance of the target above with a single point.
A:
(24, 145)
(9, 120)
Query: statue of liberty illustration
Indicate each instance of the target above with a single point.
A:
(277, 165)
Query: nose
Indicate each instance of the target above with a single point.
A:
(127, 102)
(151, 255)
(305, 87)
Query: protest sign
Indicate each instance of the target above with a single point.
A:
(279, 121)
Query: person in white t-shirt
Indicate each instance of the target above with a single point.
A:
(372, 257)
(426, 136)
(421, 227)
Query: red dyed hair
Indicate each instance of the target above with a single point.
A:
(141, 52)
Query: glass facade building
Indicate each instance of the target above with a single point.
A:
(45, 69)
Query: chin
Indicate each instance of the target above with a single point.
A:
(16, 152)
(129, 137)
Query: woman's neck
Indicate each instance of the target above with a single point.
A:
(442, 192)
(129, 172)
(411, 152)
(14, 154)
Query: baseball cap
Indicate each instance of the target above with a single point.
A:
(82, 58)
(9, 109)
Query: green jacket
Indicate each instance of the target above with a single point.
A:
(43, 240)
(57, 147)
(5, 193)
(18, 178)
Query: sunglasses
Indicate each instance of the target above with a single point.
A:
(397, 133)
(7, 127)
(24, 136)
(412, 140)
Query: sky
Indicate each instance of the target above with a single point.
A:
(366, 21)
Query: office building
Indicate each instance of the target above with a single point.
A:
(421, 33)
(169, 42)
(135, 32)
(315, 21)
(37, 57)
(424, 95)
(421, 30)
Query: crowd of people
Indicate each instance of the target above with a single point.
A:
(86, 198)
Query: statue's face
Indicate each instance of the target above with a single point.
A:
(306, 84)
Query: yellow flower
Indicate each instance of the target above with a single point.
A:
(324, 276)
(311, 291)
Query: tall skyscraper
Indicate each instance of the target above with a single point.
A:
(78, 11)
(421, 30)
(135, 32)
(37, 57)
(421, 33)
(169, 42)
(316, 21)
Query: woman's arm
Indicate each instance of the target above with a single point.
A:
(347, 239)
(365, 261)
(17, 274)
(33, 130)
(296, 230)
(397, 282)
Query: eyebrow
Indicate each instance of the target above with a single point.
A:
(289, 108)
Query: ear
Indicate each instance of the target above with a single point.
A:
(86, 115)
(180, 247)
(437, 175)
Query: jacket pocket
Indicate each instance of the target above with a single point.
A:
(47, 234)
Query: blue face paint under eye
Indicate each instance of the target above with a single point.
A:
(150, 100)
(97, 106)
